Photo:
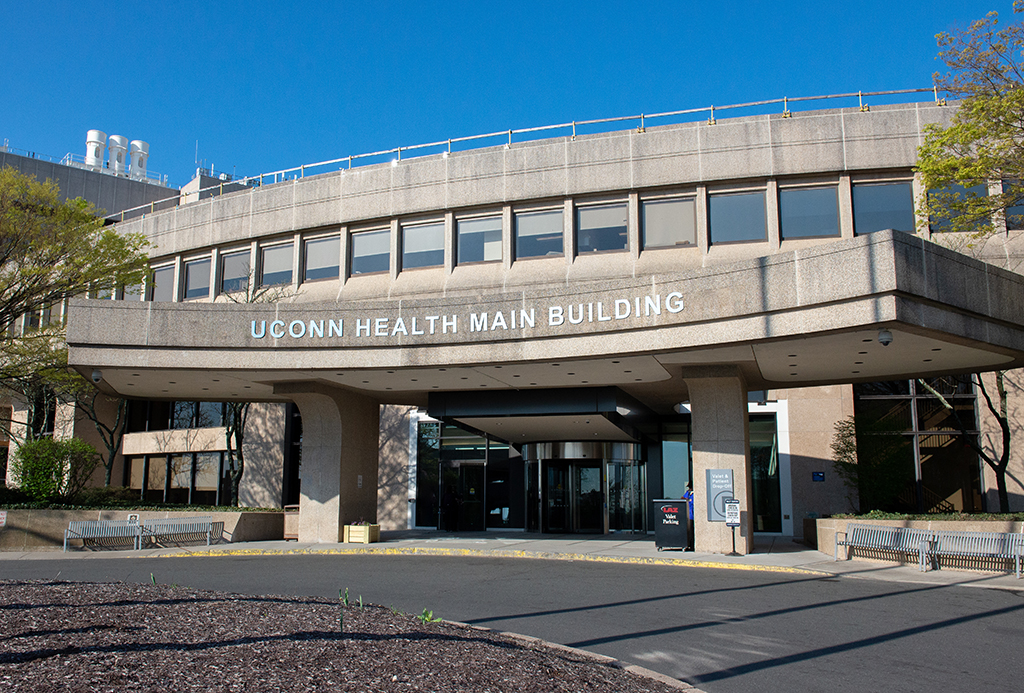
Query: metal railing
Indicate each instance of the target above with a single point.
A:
(506, 137)
(78, 161)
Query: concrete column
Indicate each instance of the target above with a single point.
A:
(339, 459)
(720, 439)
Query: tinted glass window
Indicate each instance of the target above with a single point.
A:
(961, 193)
(539, 234)
(738, 217)
(879, 206)
(809, 212)
(423, 246)
(197, 279)
(210, 414)
(371, 251)
(234, 272)
(601, 228)
(479, 239)
(163, 284)
(183, 414)
(1015, 214)
(277, 265)
(668, 223)
(322, 258)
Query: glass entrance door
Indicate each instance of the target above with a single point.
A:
(471, 494)
(573, 497)
(588, 498)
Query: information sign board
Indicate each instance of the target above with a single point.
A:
(732, 512)
(719, 488)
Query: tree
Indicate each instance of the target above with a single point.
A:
(983, 149)
(983, 145)
(53, 249)
(50, 469)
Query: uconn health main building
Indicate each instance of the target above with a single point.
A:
(558, 332)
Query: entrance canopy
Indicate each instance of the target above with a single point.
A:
(878, 307)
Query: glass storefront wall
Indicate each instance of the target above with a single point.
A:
(926, 463)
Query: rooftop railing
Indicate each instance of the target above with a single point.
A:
(78, 161)
(508, 137)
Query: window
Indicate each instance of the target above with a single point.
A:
(131, 293)
(234, 272)
(539, 234)
(479, 240)
(668, 223)
(207, 477)
(276, 265)
(738, 217)
(197, 279)
(809, 212)
(371, 251)
(960, 194)
(423, 245)
(162, 284)
(601, 228)
(210, 414)
(879, 206)
(183, 415)
(322, 258)
(1014, 214)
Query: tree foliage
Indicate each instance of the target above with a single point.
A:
(53, 249)
(48, 469)
(983, 144)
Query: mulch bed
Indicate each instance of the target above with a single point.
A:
(69, 636)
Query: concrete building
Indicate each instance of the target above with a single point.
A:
(551, 335)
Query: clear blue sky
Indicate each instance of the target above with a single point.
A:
(269, 85)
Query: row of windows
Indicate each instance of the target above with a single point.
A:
(805, 212)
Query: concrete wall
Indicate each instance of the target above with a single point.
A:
(44, 529)
(813, 413)
(393, 475)
(992, 439)
(261, 485)
(109, 193)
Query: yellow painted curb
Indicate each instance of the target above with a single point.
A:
(495, 553)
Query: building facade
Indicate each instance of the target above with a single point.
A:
(552, 335)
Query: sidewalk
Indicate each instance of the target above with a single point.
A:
(770, 554)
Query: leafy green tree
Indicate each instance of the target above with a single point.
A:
(53, 249)
(983, 144)
(48, 469)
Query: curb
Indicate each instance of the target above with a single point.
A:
(496, 553)
(601, 659)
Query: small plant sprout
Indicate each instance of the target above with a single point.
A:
(153, 578)
(360, 601)
(344, 600)
(427, 617)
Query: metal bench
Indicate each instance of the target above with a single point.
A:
(900, 540)
(102, 529)
(979, 545)
(179, 526)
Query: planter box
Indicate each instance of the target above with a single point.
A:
(361, 534)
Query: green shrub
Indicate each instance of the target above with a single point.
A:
(48, 469)
(107, 495)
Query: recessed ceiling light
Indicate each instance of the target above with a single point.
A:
(792, 373)
(937, 349)
(414, 380)
(570, 374)
(465, 378)
(215, 380)
(867, 340)
(584, 381)
(171, 382)
(927, 360)
(637, 380)
(390, 371)
(206, 388)
(556, 364)
(497, 366)
(366, 382)
(533, 383)
(387, 388)
(858, 363)
(515, 376)
(627, 371)
(442, 369)
(163, 390)
(248, 387)
(855, 371)
(792, 356)
(862, 352)
(792, 365)
(136, 375)
(616, 362)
